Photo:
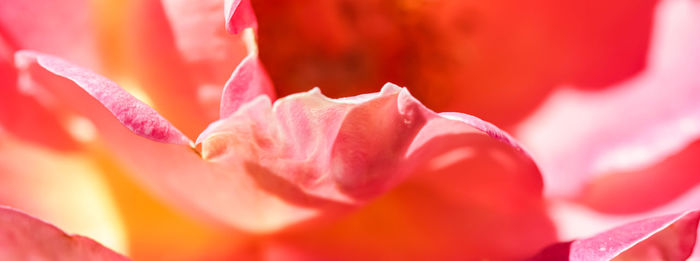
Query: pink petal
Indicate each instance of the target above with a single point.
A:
(247, 82)
(132, 113)
(173, 171)
(455, 192)
(670, 237)
(23, 115)
(239, 16)
(670, 179)
(59, 187)
(321, 154)
(307, 156)
(23, 237)
(33, 25)
(578, 136)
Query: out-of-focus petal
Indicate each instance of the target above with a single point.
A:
(156, 231)
(132, 113)
(59, 187)
(670, 237)
(24, 115)
(64, 28)
(247, 82)
(577, 136)
(671, 178)
(23, 237)
(239, 16)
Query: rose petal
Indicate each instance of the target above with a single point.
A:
(157, 231)
(59, 187)
(173, 171)
(164, 161)
(316, 153)
(132, 113)
(669, 179)
(583, 135)
(239, 16)
(23, 115)
(270, 166)
(32, 25)
(23, 237)
(426, 186)
(465, 205)
(247, 82)
(670, 237)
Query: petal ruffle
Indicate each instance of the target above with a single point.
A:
(23, 237)
(670, 237)
(247, 82)
(363, 141)
(310, 150)
(631, 128)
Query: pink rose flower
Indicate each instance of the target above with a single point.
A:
(377, 176)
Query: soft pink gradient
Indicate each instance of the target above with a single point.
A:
(23, 237)
(367, 177)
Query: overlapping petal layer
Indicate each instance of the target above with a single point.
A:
(23, 237)
(247, 82)
(268, 166)
(375, 176)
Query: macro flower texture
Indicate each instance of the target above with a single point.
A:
(217, 130)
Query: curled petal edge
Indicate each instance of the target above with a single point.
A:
(132, 113)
